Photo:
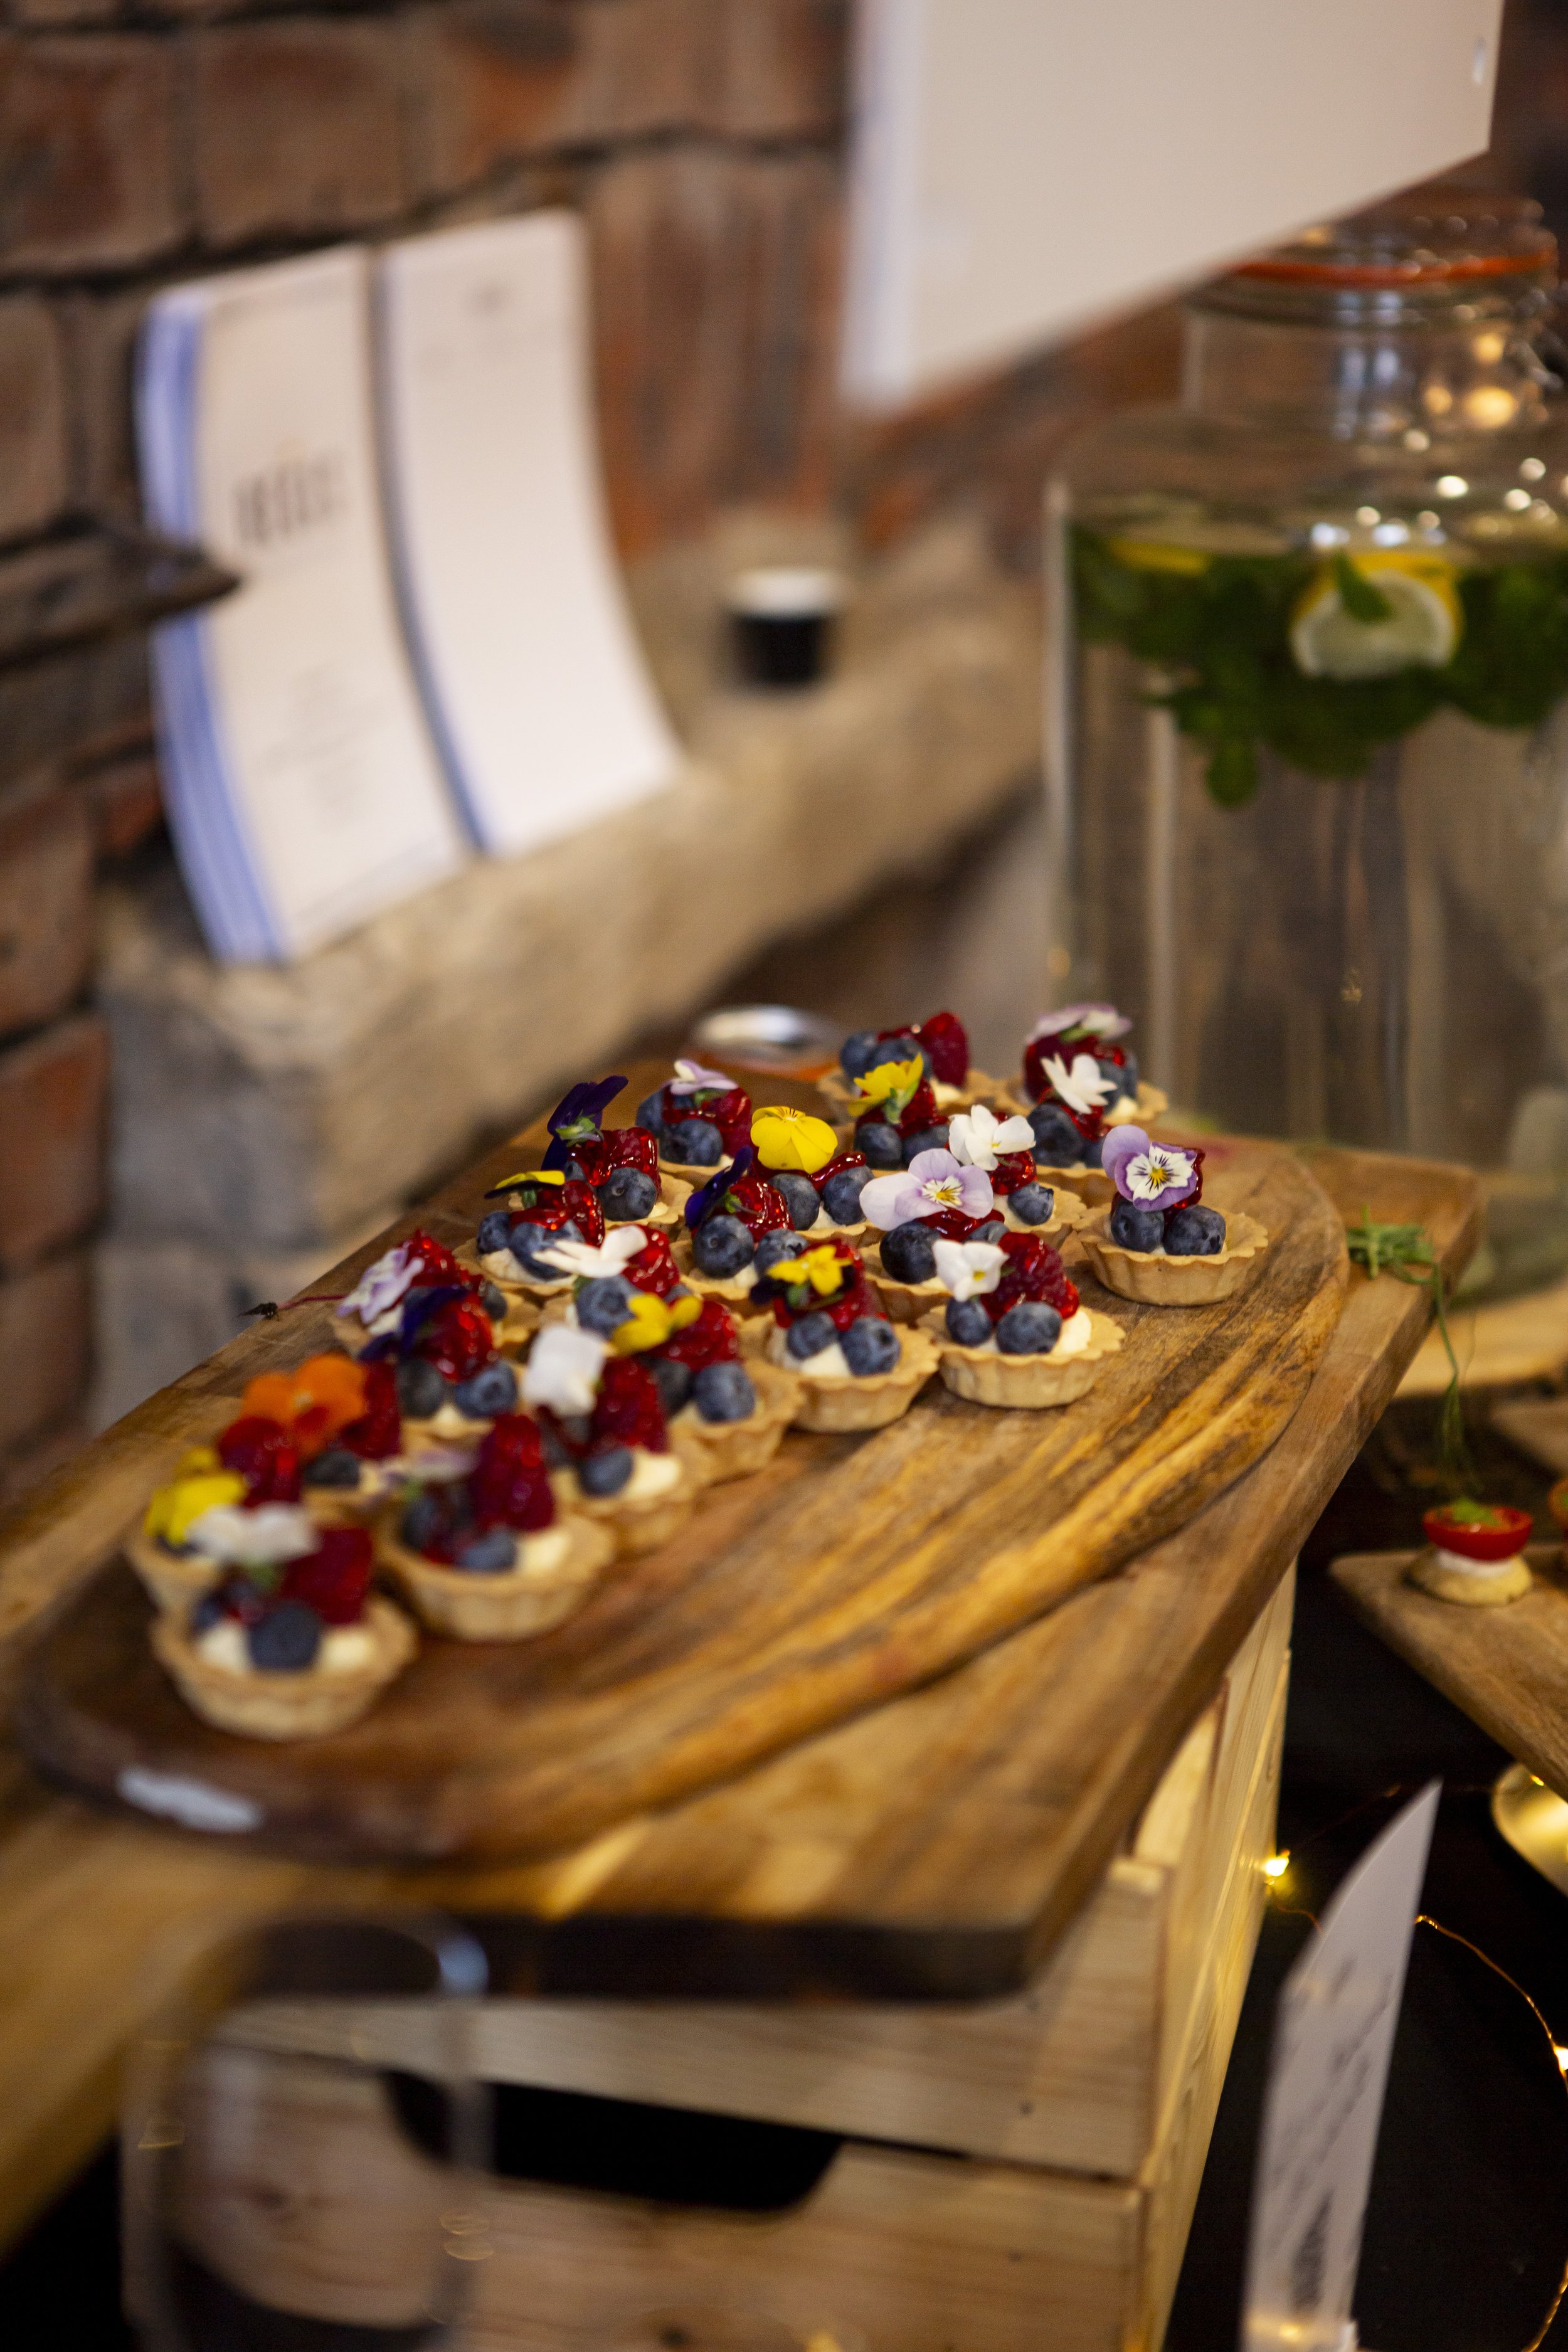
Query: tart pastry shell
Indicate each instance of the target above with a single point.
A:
(636, 1526)
(714, 1451)
(1428, 1573)
(1176, 1281)
(838, 1405)
(472, 1607)
(1027, 1383)
(285, 1707)
(907, 1302)
(170, 1580)
(735, 1293)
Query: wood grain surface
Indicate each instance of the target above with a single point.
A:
(1506, 1667)
(849, 1571)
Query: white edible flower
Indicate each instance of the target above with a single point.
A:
(381, 1286)
(613, 1254)
(562, 1369)
(968, 1269)
(1084, 1088)
(265, 1538)
(977, 1138)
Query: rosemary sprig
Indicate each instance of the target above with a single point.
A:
(1405, 1252)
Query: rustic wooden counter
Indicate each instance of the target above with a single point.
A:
(821, 1869)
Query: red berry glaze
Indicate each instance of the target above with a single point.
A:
(508, 1485)
(265, 1456)
(711, 1339)
(729, 1112)
(456, 1338)
(1013, 1170)
(946, 1040)
(628, 1410)
(654, 1268)
(334, 1579)
(1032, 1270)
(759, 1208)
(378, 1432)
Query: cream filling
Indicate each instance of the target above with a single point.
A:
(1074, 1336)
(502, 1266)
(1121, 1111)
(743, 1280)
(1485, 1571)
(828, 1363)
(652, 1475)
(447, 1421)
(345, 1649)
(544, 1551)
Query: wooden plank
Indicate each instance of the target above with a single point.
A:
(1539, 1427)
(1506, 1667)
(850, 1569)
(1007, 1769)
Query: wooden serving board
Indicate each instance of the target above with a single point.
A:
(852, 1569)
(1507, 1667)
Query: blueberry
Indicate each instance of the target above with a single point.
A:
(285, 1642)
(207, 1612)
(606, 1474)
(1135, 1228)
(495, 1232)
(909, 1253)
(336, 1467)
(1094, 1154)
(424, 1517)
(421, 1390)
(967, 1322)
(1031, 1328)
(1115, 1078)
(695, 1141)
(930, 1139)
(991, 1231)
(799, 1196)
(724, 1393)
(651, 1112)
(1056, 1140)
(881, 1143)
(603, 1304)
(627, 1193)
(673, 1381)
(557, 1456)
(811, 1335)
(870, 1346)
(527, 1240)
(1197, 1232)
(492, 1298)
(574, 1171)
(490, 1554)
(721, 1246)
(1033, 1203)
(774, 1247)
(1130, 1076)
(841, 1194)
(859, 1053)
(489, 1390)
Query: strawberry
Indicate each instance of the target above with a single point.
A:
(334, 1579)
(760, 1209)
(265, 1456)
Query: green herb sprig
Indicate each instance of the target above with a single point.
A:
(1405, 1252)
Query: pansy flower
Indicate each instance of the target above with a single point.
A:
(1083, 1086)
(709, 1199)
(1154, 1175)
(692, 1079)
(563, 1367)
(933, 1181)
(266, 1537)
(793, 1138)
(823, 1270)
(894, 1085)
(201, 1484)
(578, 1117)
(525, 1180)
(978, 1139)
(968, 1269)
(382, 1285)
(650, 1321)
(1075, 1021)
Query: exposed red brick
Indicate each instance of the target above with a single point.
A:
(100, 344)
(126, 802)
(34, 477)
(493, 81)
(783, 67)
(715, 289)
(87, 134)
(648, 65)
(299, 128)
(45, 1345)
(53, 1099)
(46, 912)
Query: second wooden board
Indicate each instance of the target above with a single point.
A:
(851, 1569)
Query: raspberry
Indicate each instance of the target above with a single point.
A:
(456, 1338)
(1013, 1170)
(632, 1146)
(1032, 1270)
(729, 1112)
(709, 1340)
(378, 1432)
(508, 1485)
(759, 1207)
(654, 1268)
(334, 1579)
(946, 1040)
(840, 1165)
(438, 1266)
(265, 1456)
(629, 1411)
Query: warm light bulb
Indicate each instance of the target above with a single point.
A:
(1451, 485)
(1561, 2054)
(1276, 1865)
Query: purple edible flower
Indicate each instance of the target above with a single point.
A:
(932, 1181)
(1154, 1175)
(709, 1197)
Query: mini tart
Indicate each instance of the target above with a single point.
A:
(172, 1580)
(1478, 1584)
(1176, 1281)
(1069, 1212)
(987, 1376)
(978, 1087)
(552, 1581)
(522, 1294)
(676, 1186)
(906, 1302)
(638, 1524)
(286, 1706)
(1153, 1103)
(345, 1507)
(516, 1324)
(715, 1451)
(734, 1289)
(843, 1402)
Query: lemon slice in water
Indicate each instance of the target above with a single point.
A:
(1419, 627)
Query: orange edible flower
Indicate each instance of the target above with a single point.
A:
(320, 1397)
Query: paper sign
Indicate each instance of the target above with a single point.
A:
(1332, 2040)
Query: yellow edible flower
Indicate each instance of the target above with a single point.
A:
(529, 1176)
(890, 1078)
(821, 1268)
(683, 1311)
(649, 1325)
(174, 1508)
(793, 1138)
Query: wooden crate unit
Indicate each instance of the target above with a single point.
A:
(1011, 2176)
